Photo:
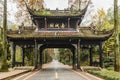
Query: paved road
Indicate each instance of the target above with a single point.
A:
(56, 71)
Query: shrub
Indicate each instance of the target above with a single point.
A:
(106, 74)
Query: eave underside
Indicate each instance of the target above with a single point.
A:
(57, 40)
(86, 35)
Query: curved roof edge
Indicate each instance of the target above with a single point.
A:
(79, 14)
(84, 33)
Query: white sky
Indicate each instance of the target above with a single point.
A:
(53, 4)
(61, 4)
(105, 4)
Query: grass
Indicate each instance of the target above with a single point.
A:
(106, 74)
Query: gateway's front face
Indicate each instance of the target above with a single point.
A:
(57, 23)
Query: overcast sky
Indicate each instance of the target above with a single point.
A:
(53, 4)
(61, 4)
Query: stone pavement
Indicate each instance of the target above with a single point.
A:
(50, 71)
(12, 73)
(58, 71)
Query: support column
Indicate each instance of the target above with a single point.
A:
(78, 54)
(77, 25)
(41, 58)
(73, 58)
(13, 54)
(100, 52)
(36, 55)
(23, 56)
(37, 24)
(68, 23)
(45, 23)
(91, 57)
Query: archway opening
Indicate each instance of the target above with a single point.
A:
(63, 55)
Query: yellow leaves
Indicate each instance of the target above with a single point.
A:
(101, 13)
(21, 1)
(94, 17)
(14, 27)
(100, 21)
(36, 3)
(106, 25)
(31, 2)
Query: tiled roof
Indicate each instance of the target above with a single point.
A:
(86, 33)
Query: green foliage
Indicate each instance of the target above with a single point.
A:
(1, 53)
(65, 56)
(84, 57)
(101, 20)
(110, 15)
(29, 57)
(106, 74)
(104, 22)
(4, 65)
(1, 49)
(43, 12)
(3, 68)
(116, 37)
(46, 56)
(108, 48)
(18, 53)
(14, 27)
(109, 61)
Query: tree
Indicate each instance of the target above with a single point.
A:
(99, 19)
(4, 66)
(117, 54)
(22, 15)
(1, 8)
(65, 56)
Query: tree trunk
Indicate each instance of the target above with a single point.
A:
(4, 66)
(117, 54)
